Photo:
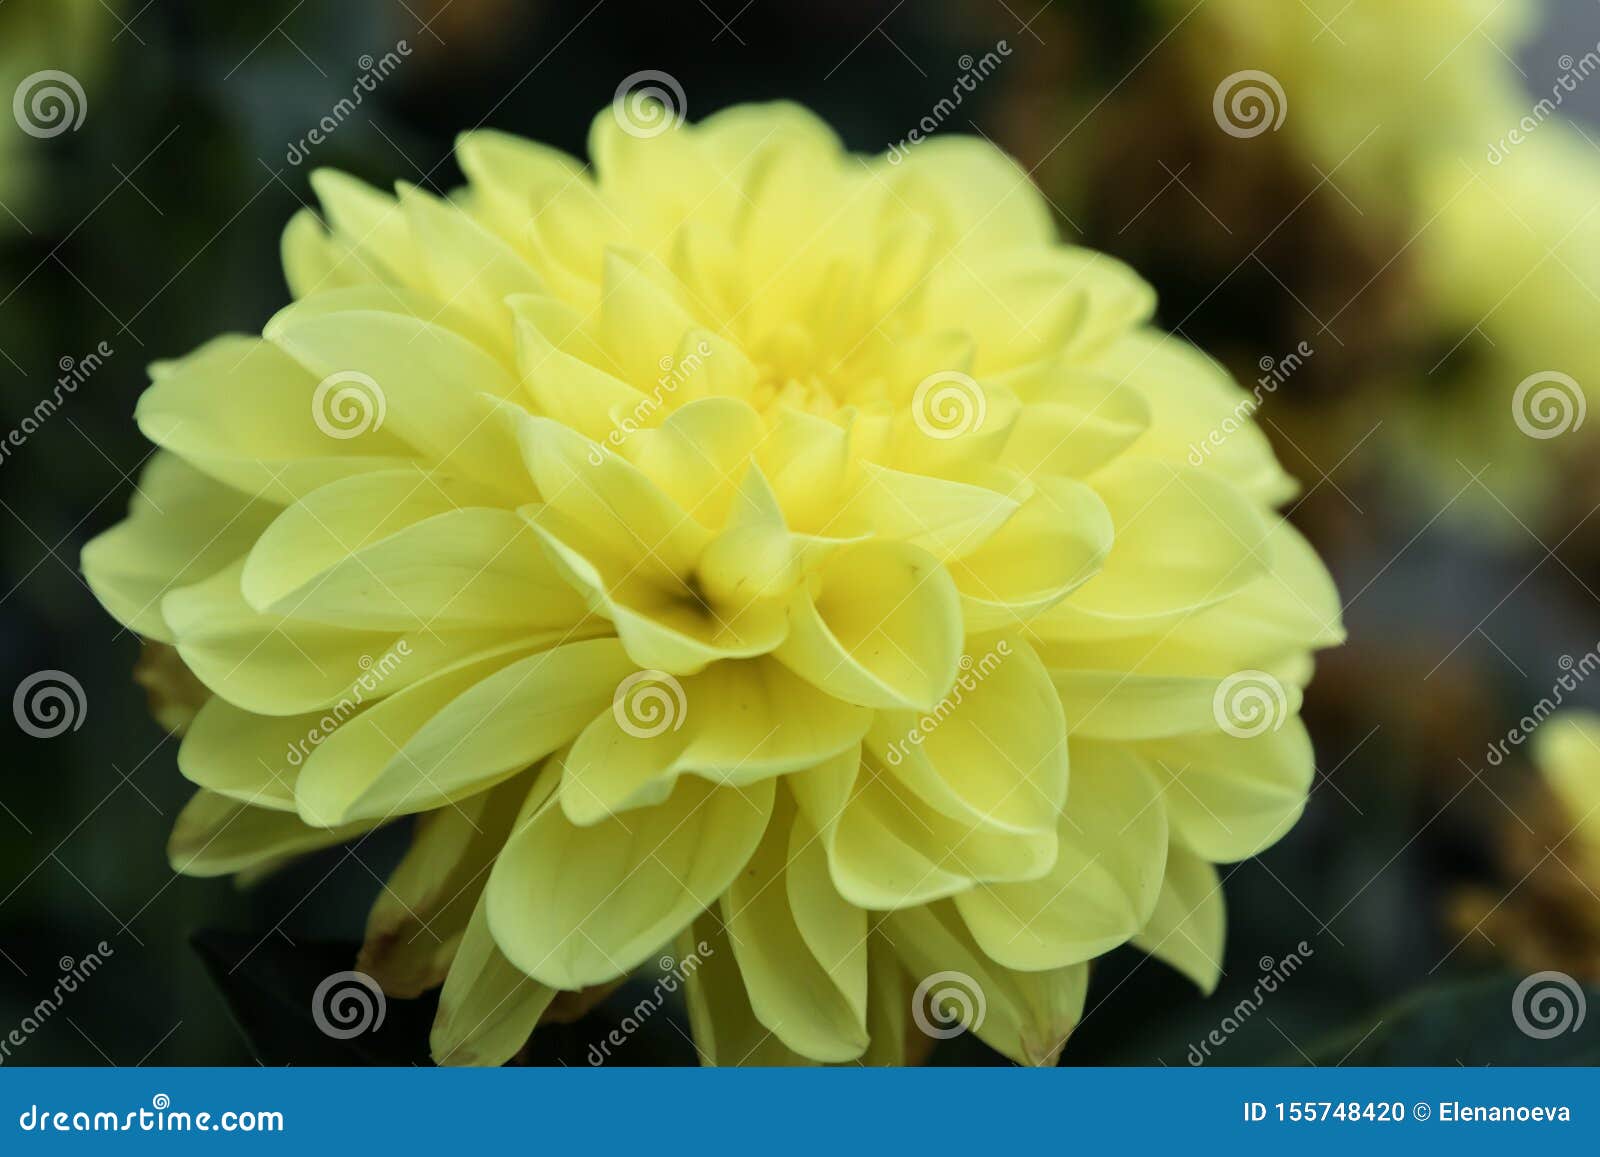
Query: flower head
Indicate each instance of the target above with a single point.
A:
(803, 555)
(1540, 911)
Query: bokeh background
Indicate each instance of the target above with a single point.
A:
(1374, 226)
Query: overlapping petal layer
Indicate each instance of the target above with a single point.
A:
(744, 546)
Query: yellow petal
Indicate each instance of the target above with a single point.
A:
(181, 527)
(1031, 304)
(1292, 608)
(814, 1011)
(254, 759)
(888, 1004)
(946, 518)
(266, 663)
(884, 629)
(1198, 415)
(466, 264)
(421, 379)
(1113, 703)
(1184, 541)
(576, 906)
(572, 387)
(606, 510)
(1027, 1016)
(641, 316)
(371, 223)
(469, 568)
(1158, 686)
(1104, 883)
(993, 751)
(488, 1007)
(314, 260)
(218, 836)
(420, 917)
(734, 723)
(887, 849)
(275, 665)
(328, 524)
(652, 169)
(699, 455)
(1055, 543)
(514, 178)
(834, 930)
(458, 732)
(1232, 797)
(1073, 422)
(266, 441)
(726, 1031)
(1187, 927)
(980, 198)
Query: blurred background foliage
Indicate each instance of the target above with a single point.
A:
(1372, 228)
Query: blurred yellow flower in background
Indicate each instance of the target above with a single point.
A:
(1416, 112)
(1380, 180)
(800, 555)
(1375, 88)
(1510, 269)
(1568, 752)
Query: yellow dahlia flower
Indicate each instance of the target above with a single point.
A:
(801, 554)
